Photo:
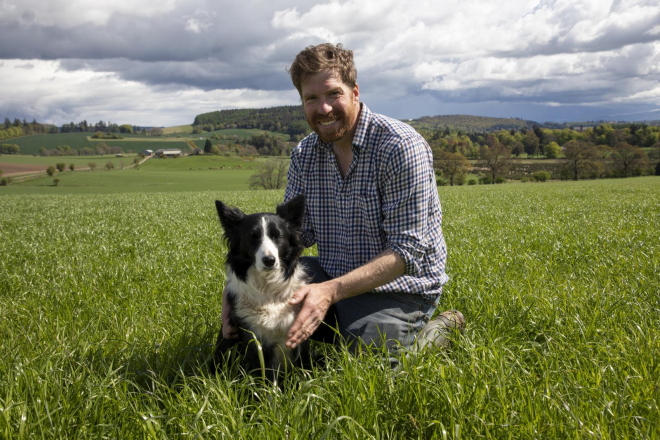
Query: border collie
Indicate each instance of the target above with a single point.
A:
(262, 273)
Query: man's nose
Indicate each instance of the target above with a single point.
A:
(325, 107)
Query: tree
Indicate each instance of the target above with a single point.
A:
(531, 143)
(518, 149)
(582, 157)
(50, 170)
(452, 164)
(655, 156)
(56, 182)
(629, 159)
(552, 150)
(208, 146)
(271, 175)
(109, 165)
(496, 159)
(60, 166)
(91, 165)
(72, 166)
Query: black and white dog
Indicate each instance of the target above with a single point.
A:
(262, 273)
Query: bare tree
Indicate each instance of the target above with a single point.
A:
(271, 174)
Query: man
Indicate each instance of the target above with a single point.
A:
(372, 209)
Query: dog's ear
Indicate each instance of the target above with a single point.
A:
(293, 211)
(229, 217)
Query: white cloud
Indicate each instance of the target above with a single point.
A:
(555, 53)
(196, 26)
(55, 95)
(76, 12)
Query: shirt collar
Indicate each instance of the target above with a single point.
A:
(360, 137)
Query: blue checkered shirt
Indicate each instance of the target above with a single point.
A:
(388, 200)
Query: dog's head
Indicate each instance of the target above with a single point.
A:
(264, 241)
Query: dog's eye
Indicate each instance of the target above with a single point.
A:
(255, 235)
(274, 235)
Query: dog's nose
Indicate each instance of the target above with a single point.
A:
(268, 261)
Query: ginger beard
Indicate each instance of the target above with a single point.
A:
(337, 130)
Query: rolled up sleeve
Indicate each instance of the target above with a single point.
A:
(406, 202)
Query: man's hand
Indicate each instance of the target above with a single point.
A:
(316, 300)
(228, 332)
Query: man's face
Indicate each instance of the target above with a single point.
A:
(331, 107)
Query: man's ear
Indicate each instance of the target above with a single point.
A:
(293, 211)
(356, 92)
(229, 217)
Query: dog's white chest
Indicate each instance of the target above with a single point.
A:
(265, 307)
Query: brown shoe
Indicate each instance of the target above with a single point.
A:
(437, 332)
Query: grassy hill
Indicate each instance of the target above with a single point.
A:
(468, 123)
(272, 118)
(267, 118)
(135, 143)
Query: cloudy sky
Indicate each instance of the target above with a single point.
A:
(161, 62)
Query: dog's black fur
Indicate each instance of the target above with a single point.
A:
(262, 274)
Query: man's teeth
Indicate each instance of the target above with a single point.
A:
(328, 122)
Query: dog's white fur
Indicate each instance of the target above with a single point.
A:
(262, 301)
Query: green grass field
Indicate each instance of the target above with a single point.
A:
(110, 303)
(134, 181)
(184, 174)
(78, 161)
(184, 129)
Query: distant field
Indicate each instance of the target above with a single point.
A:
(32, 144)
(134, 142)
(248, 133)
(22, 163)
(178, 129)
(199, 162)
(102, 181)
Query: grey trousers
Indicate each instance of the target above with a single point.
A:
(372, 320)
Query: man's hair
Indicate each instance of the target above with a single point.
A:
(322, 58)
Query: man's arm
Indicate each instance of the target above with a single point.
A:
(317, 298)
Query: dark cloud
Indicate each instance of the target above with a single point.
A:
(407, 55)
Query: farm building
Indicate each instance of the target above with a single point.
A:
(168, 152)
(148, 152)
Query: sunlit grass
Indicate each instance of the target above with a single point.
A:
(109, 306)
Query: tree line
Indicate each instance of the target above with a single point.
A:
(269, 119)
(598, 152)
(101, 127)
(18, 128)
(65, 150)
(257, 145)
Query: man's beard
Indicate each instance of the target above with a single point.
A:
(326, 135)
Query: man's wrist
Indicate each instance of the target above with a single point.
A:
(335, 289)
